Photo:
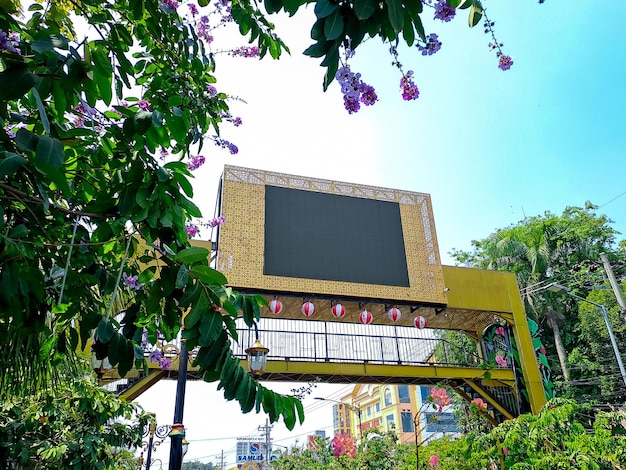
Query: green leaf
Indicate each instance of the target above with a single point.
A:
(273, 6)
(105, 331)
(407, 32)
(16, 81)
(324, 8)
(208, 275)
(10, 164)
(26, 140)
(50, 152)
(475, 14)
(19, 231)
(192, 255)
(198, 309)
(142, 122)
(365, 8)
(42, 111)
(318, 49)
(182, 277)
(174, 100)
(396, 14)
(48, 43)
(334, 25)
(211, 327)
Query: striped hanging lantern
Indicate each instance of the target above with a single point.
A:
(394, 314)
(420, 322)
(308, 309)
(276, 306)
(366, 317)
(339, 311)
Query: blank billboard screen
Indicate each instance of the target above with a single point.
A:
(315, 235)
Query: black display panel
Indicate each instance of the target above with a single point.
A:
(333, 237)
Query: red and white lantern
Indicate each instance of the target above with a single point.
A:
(394, 314)
(420, 322)
(276, 306)
(366, 317)
(339, 311)
(308, 309)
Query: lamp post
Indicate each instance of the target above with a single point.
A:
(177, 434)
(257, 355)
(559, 289)
(352, 408)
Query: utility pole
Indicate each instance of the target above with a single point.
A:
(616, 287)
(222, 461)
(266, 430)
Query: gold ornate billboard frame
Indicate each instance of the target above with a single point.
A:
(241, 242)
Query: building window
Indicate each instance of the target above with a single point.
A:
(377, 407)
(387, 396)
(425, 391)
(407, 422)
(369, 411)
(390, 423)
(403, 394)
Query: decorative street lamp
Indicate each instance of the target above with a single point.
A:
(257, 355)
(156, 435)
(559, 289)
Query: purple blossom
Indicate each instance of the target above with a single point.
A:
(84, 110)
(217, 221)
(193, 9)
(237, 122)
(232, 148)
(195, 162)
(203, 29)
(368, 95)
(131, 281)
(505, 62)
(192, 231)
(212, 90)
(10, 42)
(245, 51)
(409, 89)
(157, 356)
(443, 11)
(431, 46)
(163, 152)
(355, 91)
(144, 105)
(170, 4)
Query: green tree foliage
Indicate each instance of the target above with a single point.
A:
(545, 249)
(197, 465)
(87, 202)
(74, 425)
(564, 435)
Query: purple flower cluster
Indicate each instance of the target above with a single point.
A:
(193, 9)
(163, 153)
(83, 110)
(212, 90)
(192, 231)
(409, 89)
(431, 46)
(170, 4)
(143, 105)
(443, 11)
(245, 51)
(204, 30)
(10, 42)
(195, 162)
(232, 148)
(505, 62)
(355, 91)
(157, 356)
(217, 221)
(131, 281)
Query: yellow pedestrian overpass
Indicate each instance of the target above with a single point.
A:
(333, 351)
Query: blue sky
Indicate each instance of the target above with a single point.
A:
(489, 146)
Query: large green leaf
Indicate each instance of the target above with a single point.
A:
(208, 275)
(10, 163)
(211, 327)
(48, 43)
(324, 8)
(365, 8)
(334, 25)
(45, 122)
(50, 152)
(200, 307)
(396, 14)
(16, 81)
(192, 255)
(475, 14)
